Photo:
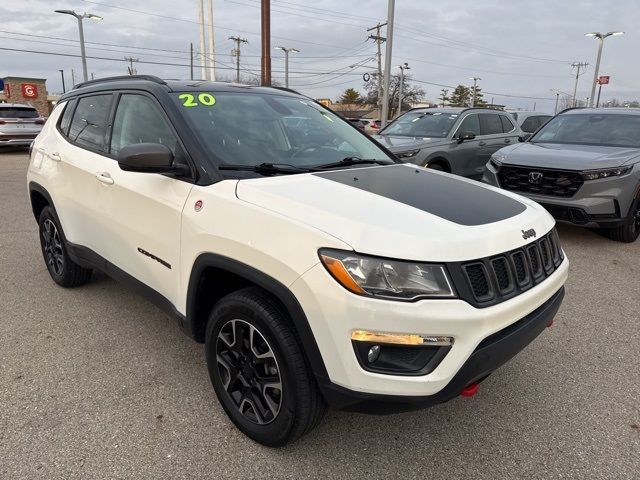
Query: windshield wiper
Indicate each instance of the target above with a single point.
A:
(266, 168)
(348, 161)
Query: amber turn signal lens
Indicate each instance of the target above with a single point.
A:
(336, 268)
(400, 339)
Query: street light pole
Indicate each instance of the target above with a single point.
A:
(85, 74)
(387, 63)
(555, 110)
(402, 67)
(475, 86)
(600, 37)
(286, 62)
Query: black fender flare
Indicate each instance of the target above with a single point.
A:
(270, 285)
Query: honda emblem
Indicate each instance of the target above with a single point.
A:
(535, 178)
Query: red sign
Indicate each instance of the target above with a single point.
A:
(603, 80)
(7, 90)
(29, 90)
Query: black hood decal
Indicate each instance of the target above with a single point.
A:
(440, 195)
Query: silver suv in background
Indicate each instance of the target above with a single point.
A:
(530, 121)
(19, 124)
(456, 140)
(583, 166)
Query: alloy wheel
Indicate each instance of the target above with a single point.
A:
(249, 371)
(54, 255)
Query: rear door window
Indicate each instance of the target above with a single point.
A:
(507, 124)
(90, 122)
(490, 124)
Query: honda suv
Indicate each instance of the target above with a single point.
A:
(315, 269)
(456, 140)
(19, 124)
(583, 166)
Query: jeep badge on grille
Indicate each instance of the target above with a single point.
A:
(528, 233)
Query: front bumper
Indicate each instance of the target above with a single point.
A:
(334, 314)
(600, 203)
(493, 352)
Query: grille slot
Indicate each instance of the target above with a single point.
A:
(503, 275)
(479, 281)
(553, 183)
(493, 280)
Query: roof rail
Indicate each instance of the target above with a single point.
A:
(149, 78)
(286, 89)
(570, 108)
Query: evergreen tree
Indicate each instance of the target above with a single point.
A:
(461, 97)
(350, 95)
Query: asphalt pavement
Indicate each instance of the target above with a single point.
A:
(96, 382)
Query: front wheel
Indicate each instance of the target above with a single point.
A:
(258, 371)
(435, 166)
(630, 231)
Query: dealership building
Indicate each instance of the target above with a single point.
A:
(28, 91)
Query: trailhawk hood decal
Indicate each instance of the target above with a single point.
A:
(402, 211)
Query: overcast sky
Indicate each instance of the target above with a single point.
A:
(519, 48)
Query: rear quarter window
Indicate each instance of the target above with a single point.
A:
(65, 118)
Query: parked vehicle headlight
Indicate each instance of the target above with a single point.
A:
(383, 278)
(609, 172)
(496, 160)
(407, 153)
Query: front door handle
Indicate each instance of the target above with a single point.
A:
(105, 178)
(55, 157)
(482, 144)
(507, 140)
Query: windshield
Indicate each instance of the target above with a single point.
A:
(253, 128)
(422, 124)
(609, 130)
(17, 112)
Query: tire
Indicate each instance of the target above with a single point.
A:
(266, 388)
(64, 271)
(630, 231)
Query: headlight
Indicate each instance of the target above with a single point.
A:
(383, 278)
(496, 160)
(407, 154)
(609, 172)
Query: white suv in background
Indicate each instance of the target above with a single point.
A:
(315, 268)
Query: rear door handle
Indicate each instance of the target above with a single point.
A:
(482, 144)
(105, 178)
(507, 140)
(54, 156)
(41, 150)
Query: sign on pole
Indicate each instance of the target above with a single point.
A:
(603, 79)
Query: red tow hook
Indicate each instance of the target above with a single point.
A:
(470, 390)
(550, 323)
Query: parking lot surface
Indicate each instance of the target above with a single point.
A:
(96, 382)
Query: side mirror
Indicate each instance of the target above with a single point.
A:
(524, 137)
(462, 136)
(149, 158)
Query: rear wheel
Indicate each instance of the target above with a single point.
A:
(630, 231)
(64, 271)
(258, 371)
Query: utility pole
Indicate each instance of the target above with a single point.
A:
(578, 66)
(203, 48)
(191, 59)
(286, 62)
(265, 70)
(475, 87)
(387, 62)
(130, 69)
(403, 67)
(378, 39)
(64, 89)
(73, 78)
(600, 37)
(212, 52)
(236, 52)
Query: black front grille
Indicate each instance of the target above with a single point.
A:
(540, 181)
(491, 280)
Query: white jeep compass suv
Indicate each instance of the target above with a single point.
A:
(315, 268)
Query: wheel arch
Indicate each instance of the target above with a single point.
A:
(439, 159)
(39, 198)
(214, 276)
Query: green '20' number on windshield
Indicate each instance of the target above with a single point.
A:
(189, 100)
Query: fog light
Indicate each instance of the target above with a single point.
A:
(374, 353)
